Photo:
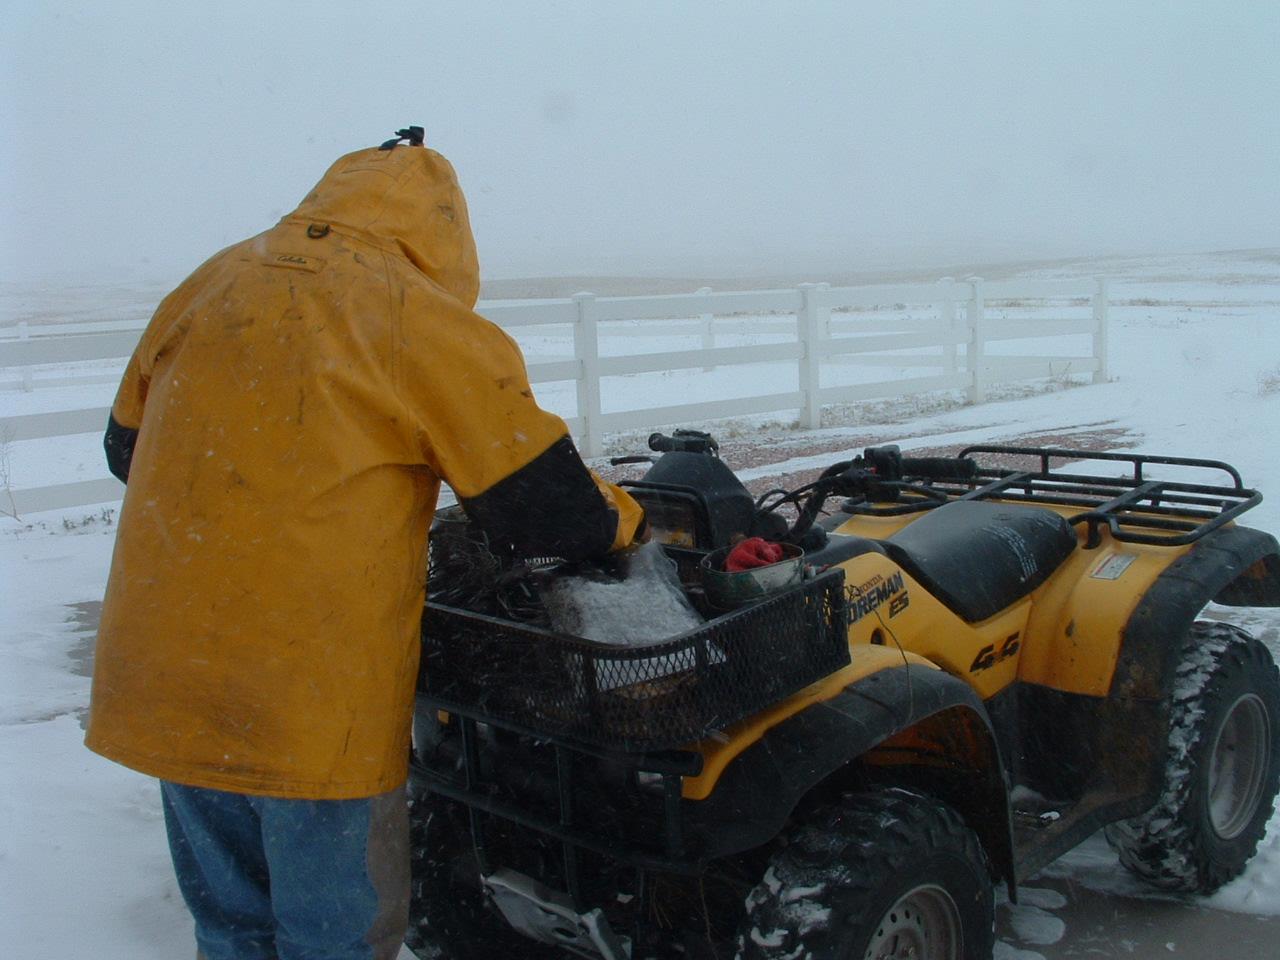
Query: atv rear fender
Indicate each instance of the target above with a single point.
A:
(1235, 566)
(912, 723)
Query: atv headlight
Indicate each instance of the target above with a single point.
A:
(671, 520)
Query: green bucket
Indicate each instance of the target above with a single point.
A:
(728, 591)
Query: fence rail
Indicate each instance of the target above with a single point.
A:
(826, 328)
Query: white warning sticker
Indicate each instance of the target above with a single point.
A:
(1111, 567)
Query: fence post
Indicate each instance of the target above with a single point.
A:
(824, 308)
(28, 381)
(586, 348)
(973, 355)
(1100, 320)
(707, 323)
(809, 329)
(947, 314)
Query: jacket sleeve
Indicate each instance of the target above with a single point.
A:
(125, 418)
(118, 443)
(512, 464)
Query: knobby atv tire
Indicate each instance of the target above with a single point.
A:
(1222, 768)
(881, 875)
(448, 916)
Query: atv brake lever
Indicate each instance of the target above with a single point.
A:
(855, 481)
(633, 458)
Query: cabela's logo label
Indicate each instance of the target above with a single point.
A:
(296, 261)
(874, 593)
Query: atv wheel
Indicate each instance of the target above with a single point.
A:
(889, 874)
(449, 918)
(1222, 769)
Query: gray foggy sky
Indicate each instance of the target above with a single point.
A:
(678, 138)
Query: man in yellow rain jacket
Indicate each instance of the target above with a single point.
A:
(284, 427)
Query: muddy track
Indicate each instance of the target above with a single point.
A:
(786, 451)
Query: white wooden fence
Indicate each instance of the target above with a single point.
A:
(956, 331)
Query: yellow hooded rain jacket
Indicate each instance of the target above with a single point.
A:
(285, 424)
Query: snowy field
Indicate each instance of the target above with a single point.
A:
(1195, 366)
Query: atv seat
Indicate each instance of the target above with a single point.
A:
(978, 557)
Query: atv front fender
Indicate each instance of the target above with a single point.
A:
(889, 718)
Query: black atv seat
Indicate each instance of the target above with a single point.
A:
(978, 557)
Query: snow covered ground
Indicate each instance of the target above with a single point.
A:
(1195, 364)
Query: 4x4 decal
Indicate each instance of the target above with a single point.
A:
(988, 656)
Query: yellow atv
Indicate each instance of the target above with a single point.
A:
(977, 663)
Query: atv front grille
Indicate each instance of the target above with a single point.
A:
(652, 697)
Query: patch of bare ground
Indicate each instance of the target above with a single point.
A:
(1096, 437)
(742, 453)
(745, 453)
(762, 449)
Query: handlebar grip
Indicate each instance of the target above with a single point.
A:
(683, 441)
(940, 468)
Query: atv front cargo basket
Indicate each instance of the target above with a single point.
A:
(652, 697)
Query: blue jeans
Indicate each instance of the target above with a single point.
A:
(273, 879)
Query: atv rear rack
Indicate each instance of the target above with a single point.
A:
(1134, 509)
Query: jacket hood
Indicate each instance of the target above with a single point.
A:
(407, 197)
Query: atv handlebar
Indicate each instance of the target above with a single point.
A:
(881, 474)
(888, 463)
(877, 475)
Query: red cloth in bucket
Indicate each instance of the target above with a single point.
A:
(752, 553)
